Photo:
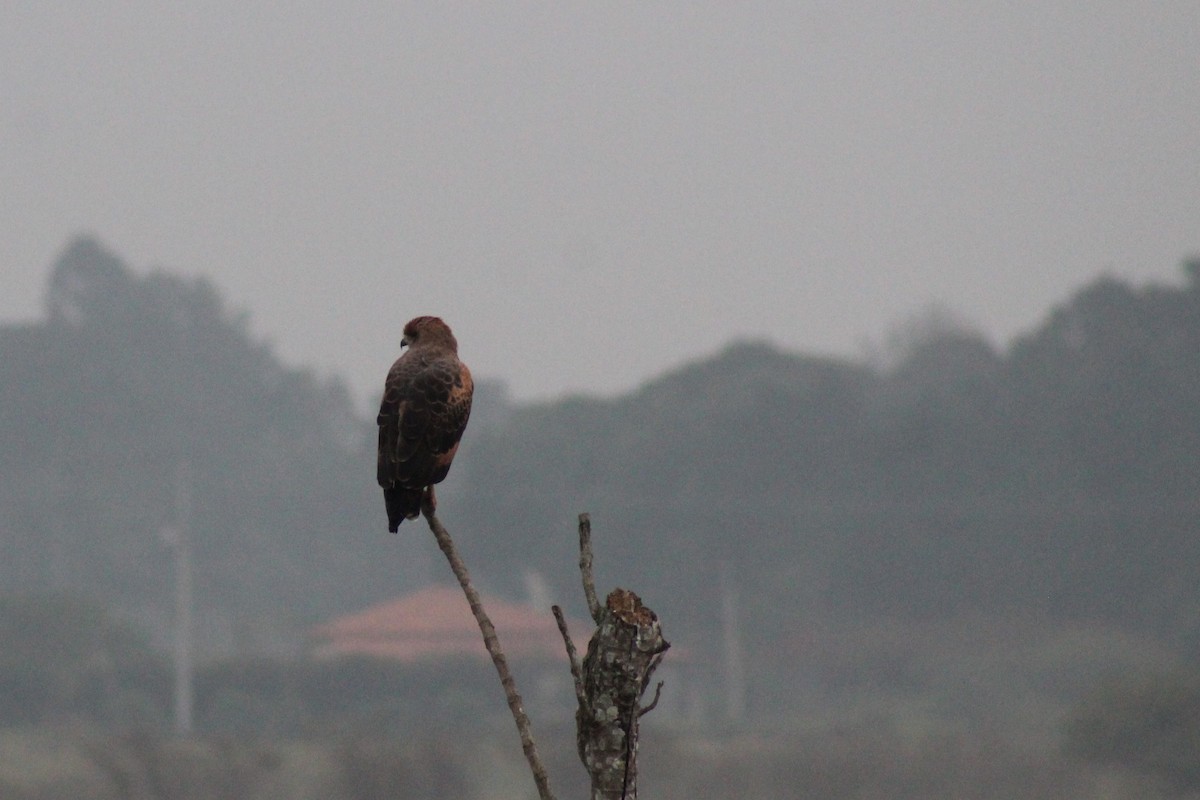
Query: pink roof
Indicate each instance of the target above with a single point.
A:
(436, 622)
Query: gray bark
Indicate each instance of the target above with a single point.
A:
(622, 655)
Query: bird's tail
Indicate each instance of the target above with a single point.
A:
(401, 504)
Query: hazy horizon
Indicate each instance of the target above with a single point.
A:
(591, 195)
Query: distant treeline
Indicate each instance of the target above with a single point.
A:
(1059, 477)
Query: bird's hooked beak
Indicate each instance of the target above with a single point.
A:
(404, 343)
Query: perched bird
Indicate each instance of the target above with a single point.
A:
(426, 402)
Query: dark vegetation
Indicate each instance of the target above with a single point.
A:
(963, 533)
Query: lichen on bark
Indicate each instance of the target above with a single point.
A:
(621, 658)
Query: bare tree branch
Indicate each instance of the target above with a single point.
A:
(657, 694)
(653, 666)
(572, 655)
(585, 567)
(492, 642)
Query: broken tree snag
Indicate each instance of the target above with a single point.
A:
(621, 658)
(622, 655)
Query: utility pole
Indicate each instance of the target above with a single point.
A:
(177, 537)
(735, 664)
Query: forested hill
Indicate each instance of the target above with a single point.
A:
(1061, 477)
(1058, 476)
(129, 380)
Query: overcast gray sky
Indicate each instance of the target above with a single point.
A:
(592, 193)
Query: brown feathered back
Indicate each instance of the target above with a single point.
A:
(426, 403)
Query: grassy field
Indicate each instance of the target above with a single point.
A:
(971, 709)
(864, 762)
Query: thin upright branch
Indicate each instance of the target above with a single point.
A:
(492, 642)
(572, 655)
(585, 567)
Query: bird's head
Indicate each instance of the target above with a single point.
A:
(426, 331)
